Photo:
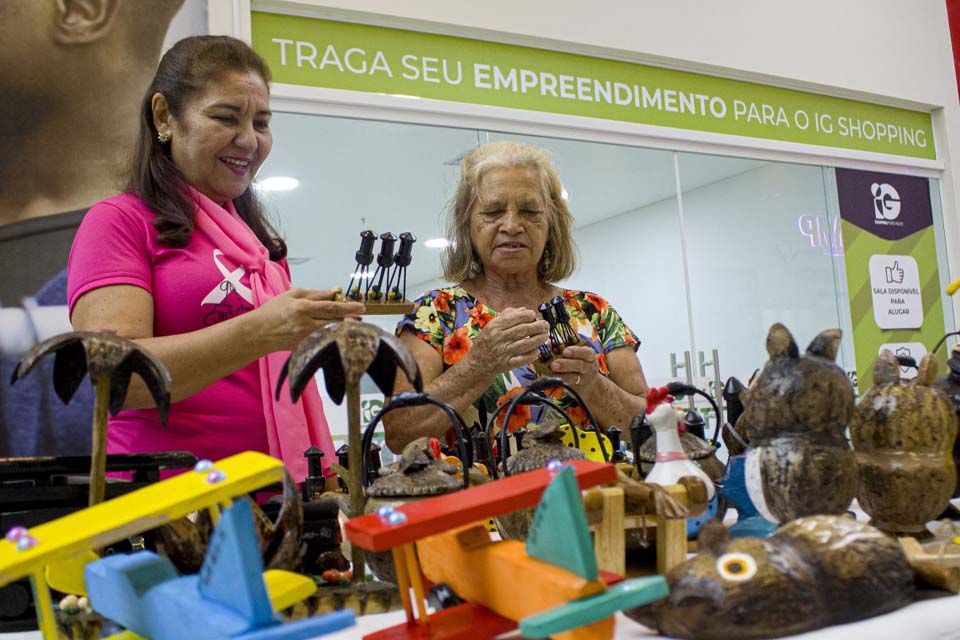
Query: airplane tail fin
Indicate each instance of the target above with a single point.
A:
(232, 571)
(559, 534)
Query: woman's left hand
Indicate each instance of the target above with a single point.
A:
(577, 367)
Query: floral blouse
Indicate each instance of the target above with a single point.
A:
(450, 319)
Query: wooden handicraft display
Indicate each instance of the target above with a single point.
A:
(111, 361)
(384, 292)
(555, 588)
(903, 434)
(68, 542)
(345, 351)
(949, 385)
(561, 334)
(813, 572)
(422, 471)
(799, 462)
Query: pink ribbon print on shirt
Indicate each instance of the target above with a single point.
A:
(231, 282)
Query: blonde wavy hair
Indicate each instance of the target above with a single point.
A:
(559, 259)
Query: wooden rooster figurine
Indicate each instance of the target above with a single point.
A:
(671, 462)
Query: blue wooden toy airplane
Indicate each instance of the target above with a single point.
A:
(228, 598)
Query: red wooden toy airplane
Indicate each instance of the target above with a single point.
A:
(550, 585)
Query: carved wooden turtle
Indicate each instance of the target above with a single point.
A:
(417, 473)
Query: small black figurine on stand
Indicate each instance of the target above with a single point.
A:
(385, 290)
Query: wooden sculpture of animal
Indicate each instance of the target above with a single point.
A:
(110, 361)
(949, 384)
(799, 462)
(672, 463)
(420, 473)
(541, 444)
(813, 572)
(903, 435)
(185, 541)
(697, 449)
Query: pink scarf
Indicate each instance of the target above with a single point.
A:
(291, 428)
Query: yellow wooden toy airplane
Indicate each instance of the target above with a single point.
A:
(54, 554)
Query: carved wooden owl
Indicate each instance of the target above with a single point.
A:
(799, 462)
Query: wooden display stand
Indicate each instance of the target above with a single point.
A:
(937, 566)
(609, 532)
(401, 308)
(377, 308)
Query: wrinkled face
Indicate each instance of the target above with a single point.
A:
(739, 593)
(510, 221)
(223, 135)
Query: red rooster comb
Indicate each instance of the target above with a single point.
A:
(656, 397)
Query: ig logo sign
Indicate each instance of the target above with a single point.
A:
(886, 201)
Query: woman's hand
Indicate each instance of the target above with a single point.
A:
(508, 341)
(285, 320)
(578, 367)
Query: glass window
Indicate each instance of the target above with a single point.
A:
(760, 248)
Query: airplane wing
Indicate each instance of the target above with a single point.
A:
(135, 512)
(299, 630)
(304, 629)
(286, 588)
(462, 622)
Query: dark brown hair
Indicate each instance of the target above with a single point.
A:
(184, 71)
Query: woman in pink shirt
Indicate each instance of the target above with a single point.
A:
(186, 264)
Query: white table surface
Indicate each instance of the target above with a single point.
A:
(929, 620)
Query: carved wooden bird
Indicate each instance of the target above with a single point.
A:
(110, 360)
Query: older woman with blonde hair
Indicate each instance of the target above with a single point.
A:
(511, 240)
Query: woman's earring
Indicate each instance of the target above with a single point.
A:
(546, 260)
(163, 137)
(475, 267)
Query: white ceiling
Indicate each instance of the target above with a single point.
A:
(360, 174)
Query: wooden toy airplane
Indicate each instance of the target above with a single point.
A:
(56, 553)
(228, 598)
(550, 586)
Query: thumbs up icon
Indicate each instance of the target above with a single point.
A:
(894, 274)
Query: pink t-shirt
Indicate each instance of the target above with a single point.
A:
(192, 287)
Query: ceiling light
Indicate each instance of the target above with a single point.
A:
(437, 243)
(278, 183)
